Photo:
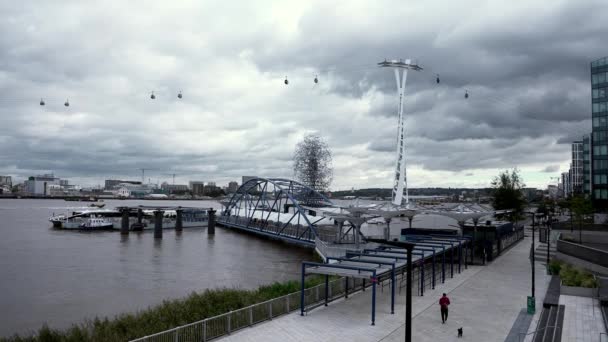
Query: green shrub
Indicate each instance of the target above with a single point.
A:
(572, 276)
(555, 267)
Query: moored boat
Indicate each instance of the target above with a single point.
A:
(191, 218)
(97, 223)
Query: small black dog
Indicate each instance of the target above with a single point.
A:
(460, 332)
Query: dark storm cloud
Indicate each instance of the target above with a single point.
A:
(526, 67)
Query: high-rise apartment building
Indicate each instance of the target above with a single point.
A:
(599, 114)
(6, 181)
(565, 184)
(576, 168)
(233, 187)
(197, 188)
(587, 175)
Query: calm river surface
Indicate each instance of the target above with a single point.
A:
(61, 277)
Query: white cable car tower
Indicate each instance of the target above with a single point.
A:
(400, 184)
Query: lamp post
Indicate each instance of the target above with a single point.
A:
(548, 238)
(531, 299)
(532, 254)
(409, 246)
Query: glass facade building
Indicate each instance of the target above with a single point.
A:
(587, 176)
(599, 114)
(576, 168)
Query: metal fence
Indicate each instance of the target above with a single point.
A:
(217, 326)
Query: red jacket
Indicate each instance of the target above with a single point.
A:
(444, 302)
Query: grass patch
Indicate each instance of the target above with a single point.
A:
(169, 314)
(572, 276)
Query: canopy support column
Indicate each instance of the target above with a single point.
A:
(302, 290)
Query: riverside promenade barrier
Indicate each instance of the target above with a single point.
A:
(224, 324)
(593, 255)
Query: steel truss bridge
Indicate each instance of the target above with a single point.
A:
(277, 208)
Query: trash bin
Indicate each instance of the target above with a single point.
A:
(531, 305)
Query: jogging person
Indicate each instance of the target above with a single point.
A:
(444, 302)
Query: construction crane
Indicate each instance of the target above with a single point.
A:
(143, 172)
(171, 174)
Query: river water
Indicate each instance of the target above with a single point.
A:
(61, 277)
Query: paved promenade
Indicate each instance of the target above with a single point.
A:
(583, 320)
(486, 300)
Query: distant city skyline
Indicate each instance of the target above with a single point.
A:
(528, 85)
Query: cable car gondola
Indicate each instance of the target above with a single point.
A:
(67, 103)
(286, 81)
(466, 94)
(152, 96)
(41, 102)
(316, 79)
(437, 80)
(179, 96)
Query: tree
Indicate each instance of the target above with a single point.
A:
(507, 194)
(312, 162)
(581, 207)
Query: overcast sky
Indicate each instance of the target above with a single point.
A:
(524, 63)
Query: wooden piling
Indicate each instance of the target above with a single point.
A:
(124, 224)
(178, 219)
(158, 224)
(211, 223)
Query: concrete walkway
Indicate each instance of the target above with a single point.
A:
(583, 321)
(486, 300)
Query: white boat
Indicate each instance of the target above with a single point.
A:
(94, 223)
(75, 220)
(99, 204)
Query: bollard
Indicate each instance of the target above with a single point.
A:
(124, 224)
(140, 216)
(211, 222)
(158, 224)
(178, 219)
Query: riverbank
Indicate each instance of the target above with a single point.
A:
(169, 314)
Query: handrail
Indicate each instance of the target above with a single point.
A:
(536, 331)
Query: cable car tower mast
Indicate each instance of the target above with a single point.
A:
(400, 183)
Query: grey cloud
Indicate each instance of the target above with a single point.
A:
(551, 169)
(528, 78)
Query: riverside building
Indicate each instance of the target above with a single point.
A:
(599, 158)
(576, 168)
(587, 175)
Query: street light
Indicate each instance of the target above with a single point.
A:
(549, 237)
(532, 250)
(532, 300)
(409, 246)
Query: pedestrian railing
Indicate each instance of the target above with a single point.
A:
(224, 324)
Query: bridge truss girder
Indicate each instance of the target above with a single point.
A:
(275, 207)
